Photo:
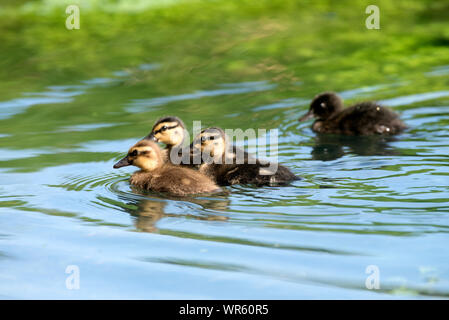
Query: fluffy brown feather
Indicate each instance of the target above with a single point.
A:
(224, 168)
(365, 118)
(157, 175)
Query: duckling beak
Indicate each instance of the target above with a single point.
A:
(151, 137)
(122, 163)
(307, 116)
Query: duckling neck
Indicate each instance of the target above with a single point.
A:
(328, 116)
(173, 152)
(150, 167)
(146, 170)
(169, 147)
(338, 108)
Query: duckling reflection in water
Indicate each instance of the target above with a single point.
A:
(366, 118)
(150, 211)
(331, 146)
(220, 162)
(155, 175)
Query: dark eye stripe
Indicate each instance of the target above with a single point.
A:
(165, 128)
(210, 138)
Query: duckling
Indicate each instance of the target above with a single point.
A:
(170, 131)
(366, 118)
(219, 161)
(155, 175)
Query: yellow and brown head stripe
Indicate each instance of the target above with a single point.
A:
(163, 124)
(168, 123)
(141, 148)
(213, 133)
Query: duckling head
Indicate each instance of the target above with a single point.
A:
(168, 130)
(211, 142)
(323, 106)
(144, 154)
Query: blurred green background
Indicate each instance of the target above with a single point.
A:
(203, 42)
(314, 45)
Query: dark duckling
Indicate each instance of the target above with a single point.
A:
(366, 118)
(221, 162)
(157, 175)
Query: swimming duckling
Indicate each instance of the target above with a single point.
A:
(168, 130)
(171, 131)
(155, 175)
(220, 162)
(364, 118)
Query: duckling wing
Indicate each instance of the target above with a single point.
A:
(183, 181)
(275, 173)
(241, 156)
(258, 173)
(367, 118)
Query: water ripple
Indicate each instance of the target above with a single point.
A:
(141, 105)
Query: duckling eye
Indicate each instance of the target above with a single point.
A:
(134, 153)
(323, 105)
(211, 138)
(164, 128)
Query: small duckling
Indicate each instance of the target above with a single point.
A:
(155, 175)
(366, 118)
(171, 131)
(219, 161)
(168, 130)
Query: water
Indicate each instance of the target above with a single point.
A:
(367, 201)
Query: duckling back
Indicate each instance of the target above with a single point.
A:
(228, 164)
(248, 173)
(259, 174)
(365, 118)
(174, 180)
